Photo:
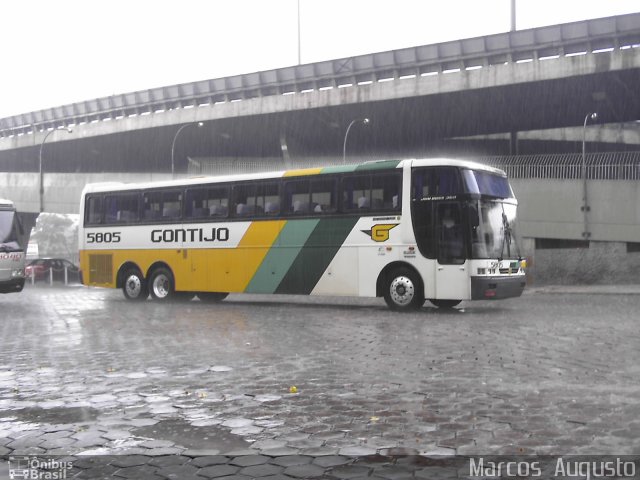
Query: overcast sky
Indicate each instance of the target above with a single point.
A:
(59, 52)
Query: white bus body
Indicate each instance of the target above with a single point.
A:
(409, 230)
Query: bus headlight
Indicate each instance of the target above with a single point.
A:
(17, 273)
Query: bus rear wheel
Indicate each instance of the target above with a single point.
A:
(212, 297)
(445, 303)
(403, 291)
(161, 284)
(134, 285)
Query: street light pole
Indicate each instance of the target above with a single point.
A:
(299, 46)
(585, 205)
(69, 130)
(365, 121)
(173, 145)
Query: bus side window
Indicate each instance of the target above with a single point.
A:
(356, 193)
(164, 204)
(296, 197)
(435, 182)
(420, 184)
(324, 195)
(268, 199)
(93, 210)
(446, 181)
(385, 191)
(244, 200)
(257, 199)
(121, 208)
(203, 202)
(171, 205)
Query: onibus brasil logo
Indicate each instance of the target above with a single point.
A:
(32, 467)
(380, 231)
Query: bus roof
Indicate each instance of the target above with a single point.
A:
(6, 203)
(366, 166)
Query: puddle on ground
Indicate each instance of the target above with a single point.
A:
(186, 435)
(57, 415)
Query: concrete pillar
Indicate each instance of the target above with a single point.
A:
(513, 143)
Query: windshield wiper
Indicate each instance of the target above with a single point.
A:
(506, 238)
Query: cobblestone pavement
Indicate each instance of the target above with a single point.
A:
(194, 390)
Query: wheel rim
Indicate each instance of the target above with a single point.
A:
(161, 286)
(402, 291)
(133, 286)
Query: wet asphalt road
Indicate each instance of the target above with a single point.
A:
(83, 371)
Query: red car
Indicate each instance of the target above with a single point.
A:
(40, 270)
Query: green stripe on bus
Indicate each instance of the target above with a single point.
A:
(378, 165)
(316, 255)
(281, 255)
(339, 169)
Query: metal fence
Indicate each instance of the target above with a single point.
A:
(599, 166)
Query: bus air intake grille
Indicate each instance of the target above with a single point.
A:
(508, 271)
(100, 269)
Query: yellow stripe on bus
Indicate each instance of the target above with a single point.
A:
(302, 171)
(231, 269)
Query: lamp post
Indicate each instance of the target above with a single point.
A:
(69, 130)
(173, 145)
(365, 121)
(299, 50)
(585, 205)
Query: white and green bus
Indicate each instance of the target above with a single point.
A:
(12, 254)
(409, 230)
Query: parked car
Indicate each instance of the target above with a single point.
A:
(40, 269)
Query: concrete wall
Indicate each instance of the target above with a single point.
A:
(600, 263)
(61, 190)
(550, 208)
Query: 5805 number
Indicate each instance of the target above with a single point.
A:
(106, 237)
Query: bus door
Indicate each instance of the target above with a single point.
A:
(452, 277)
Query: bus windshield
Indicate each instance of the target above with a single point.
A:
(492, 226)
(487, 183)
(8, 232)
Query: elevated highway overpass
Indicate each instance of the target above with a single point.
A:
(421, 101)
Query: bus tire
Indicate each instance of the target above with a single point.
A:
(403, 290)
(212, 297)
(161, 284)
(445, 303)
(134, 286)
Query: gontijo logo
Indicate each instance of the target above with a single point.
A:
(380, 231)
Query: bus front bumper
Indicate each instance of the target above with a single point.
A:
(12, 286)
(498, 287)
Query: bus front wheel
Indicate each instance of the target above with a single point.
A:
(403, 290)
(161, 284)
(134, 285)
